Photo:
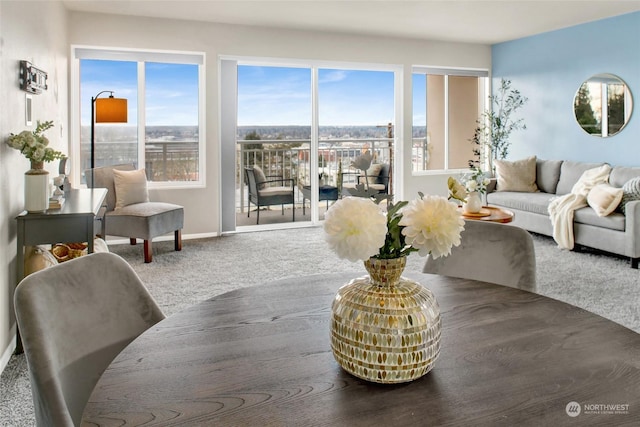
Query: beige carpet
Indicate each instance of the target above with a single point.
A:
(603, 284)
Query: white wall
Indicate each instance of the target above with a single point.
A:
(43, 35)
(36, 32)
(202, 205)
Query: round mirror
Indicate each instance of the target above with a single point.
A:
(603, 105)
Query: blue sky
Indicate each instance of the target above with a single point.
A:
(171, 90)
(266, 95)
(282, 96)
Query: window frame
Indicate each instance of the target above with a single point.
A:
(483, 104)
(140, 57)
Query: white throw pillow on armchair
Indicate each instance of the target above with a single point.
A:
(131, 187)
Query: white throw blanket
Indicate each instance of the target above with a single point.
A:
(561, 208)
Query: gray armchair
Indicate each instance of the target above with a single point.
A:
(490, 252)
(139, 220)
(74, 319)
(261, 193)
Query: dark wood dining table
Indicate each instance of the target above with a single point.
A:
(260, 356)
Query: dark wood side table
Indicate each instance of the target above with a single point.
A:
(74, 222)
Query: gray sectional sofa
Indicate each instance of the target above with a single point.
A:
(616, 233)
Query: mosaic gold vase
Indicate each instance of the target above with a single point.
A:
(385, 328)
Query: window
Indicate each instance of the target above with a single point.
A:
(446, 105)
(164, 129)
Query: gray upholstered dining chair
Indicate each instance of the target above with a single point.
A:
(135, 219)
(74, 318)
(491, 252)
(261, 191)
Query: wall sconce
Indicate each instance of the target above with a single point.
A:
(106, 110)
(32, 79)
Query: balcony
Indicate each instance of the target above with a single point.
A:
(292, 159)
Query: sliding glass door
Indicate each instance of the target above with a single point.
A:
(273, 142)
(307, 124)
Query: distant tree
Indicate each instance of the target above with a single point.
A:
(616, 111)
(252, 157)
(584, 112)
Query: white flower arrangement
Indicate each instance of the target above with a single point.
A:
(357, 229)
(34, 145)
(475, 180)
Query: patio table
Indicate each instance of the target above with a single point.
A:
(325, 192)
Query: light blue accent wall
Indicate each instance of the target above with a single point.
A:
(549, 68)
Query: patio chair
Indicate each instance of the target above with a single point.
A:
(74, 319)
(377, 179)
(129, 213)
(490, 252)
(261, 194)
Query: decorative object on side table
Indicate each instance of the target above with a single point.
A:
(34, 146)
(475, 183)
(386, 328)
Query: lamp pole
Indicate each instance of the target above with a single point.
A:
(93, 126)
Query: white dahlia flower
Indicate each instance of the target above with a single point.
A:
(432, 225)
(355, 228)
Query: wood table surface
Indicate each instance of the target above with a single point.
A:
(260, 356)
(494, 214)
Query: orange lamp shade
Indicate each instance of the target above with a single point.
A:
(111, 110)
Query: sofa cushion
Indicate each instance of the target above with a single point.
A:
(531, 202)
(519, 175)
(620, 175)
(615, 221)
(604, 198)
(630, 192)
(570, 173)
(547, 175)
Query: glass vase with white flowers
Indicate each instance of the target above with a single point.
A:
(386, 307)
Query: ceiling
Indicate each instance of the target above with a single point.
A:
(471, 21)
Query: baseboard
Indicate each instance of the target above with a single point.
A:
(8, 352)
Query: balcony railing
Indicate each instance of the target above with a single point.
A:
(292, 159)
(164, 160)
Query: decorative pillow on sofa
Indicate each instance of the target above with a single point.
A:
(604, 198)
(630, 192)
(548, 175)
(519, 175)
(131, 187)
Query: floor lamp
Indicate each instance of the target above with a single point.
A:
(105, 110)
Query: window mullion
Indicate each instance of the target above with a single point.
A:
(446, 122)
(142, 134)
